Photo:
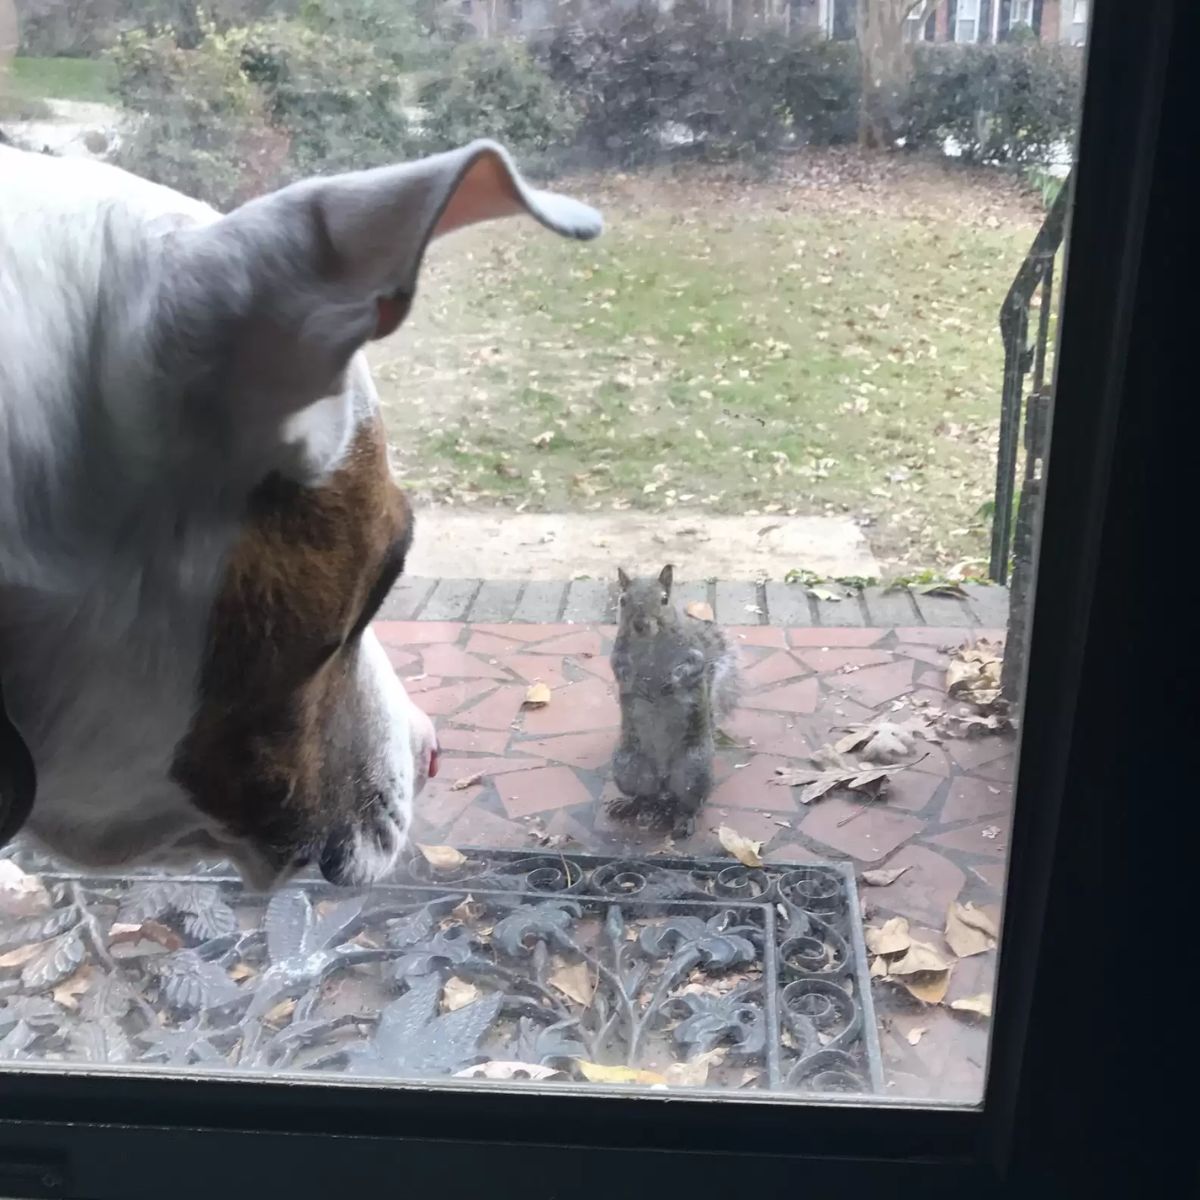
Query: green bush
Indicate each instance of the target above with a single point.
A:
(641, 77)
(245, 109)
(337, 100)
(1005, 103)
(494, 89)
(822, 90)
(200, 125)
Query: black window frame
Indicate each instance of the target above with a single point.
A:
(131, 1136)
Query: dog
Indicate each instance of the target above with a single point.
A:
(197, 522)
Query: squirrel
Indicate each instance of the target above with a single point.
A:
(677, 679)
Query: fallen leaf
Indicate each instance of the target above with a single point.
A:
(879, 968)
(575, 982)
(974, 675)
(883, 877)
(920, 956)
(969, 931)
(745, 850)
(21, 955)
(694, 1072)
(145, 931)
(914, 1035)
(21, 894)
(241, 971)
(595, 1073)
(68, 992)
(944, 589)
(467, 910)
(892, 937)
(816, 784)
(980, 1005)
(544, 438)
(822, 593)
(442, 858)
(508, 1070)
(279, 1013)
(461, 785)
(928, 986)
(538, 696)
(700, 610)
(458, 993)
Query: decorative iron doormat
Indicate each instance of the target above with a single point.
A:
(506, 965)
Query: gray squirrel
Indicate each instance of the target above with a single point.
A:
(677, 679)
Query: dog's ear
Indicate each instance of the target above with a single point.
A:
(18, 779)
(666, 577)
(295, 282)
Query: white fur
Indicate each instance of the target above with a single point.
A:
(110, 555)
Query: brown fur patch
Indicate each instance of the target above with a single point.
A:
(273, 752)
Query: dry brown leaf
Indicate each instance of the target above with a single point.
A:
(929, 986)
(744, 849)
(279, 1013)
(892, 937)
(21, 894)
(596, 1073)
(68, 992)
(967, 930)
(823, 593)
(944, 589)
(914, 1035)
(145, 931)
(575, 982)
(241, 971)
(442, 858)
(974, 674)
(538, 696)
(694, 1072)
(879, 968)
(701, 610)
(980, 1005)
(508, 1070)
(815, 784)
(458, 993)
(467, 910)
(21, 955)
(883, 877)
(920, 956)
(543, 439)
(461, 785)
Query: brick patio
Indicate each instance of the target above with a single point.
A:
(545, 772)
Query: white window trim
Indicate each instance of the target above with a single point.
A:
(961, 15)
(1014, 19)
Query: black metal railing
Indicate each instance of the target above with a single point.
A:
(1022, 359)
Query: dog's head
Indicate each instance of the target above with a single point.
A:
(201, 519)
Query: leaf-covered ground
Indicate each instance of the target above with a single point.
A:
(823, 342)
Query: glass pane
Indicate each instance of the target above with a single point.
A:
(542, 806)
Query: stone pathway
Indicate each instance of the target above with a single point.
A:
(544, 773)
(733, 603)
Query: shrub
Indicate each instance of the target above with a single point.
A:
(822, 90)
(336, 99)
(494, 89)
(200, 125)
(244, 110)
(1006, 103)
(642, 79)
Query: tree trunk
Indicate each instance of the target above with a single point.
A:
(884, 63)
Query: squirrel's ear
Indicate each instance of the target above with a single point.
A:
(623, 579)
(666, 576)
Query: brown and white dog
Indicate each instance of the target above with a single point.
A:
(197, 523)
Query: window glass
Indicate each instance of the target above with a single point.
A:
(656, 726)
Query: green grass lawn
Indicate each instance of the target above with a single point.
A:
(33, 79)
(756, 348)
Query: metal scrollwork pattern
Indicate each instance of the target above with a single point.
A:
(677, 973)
